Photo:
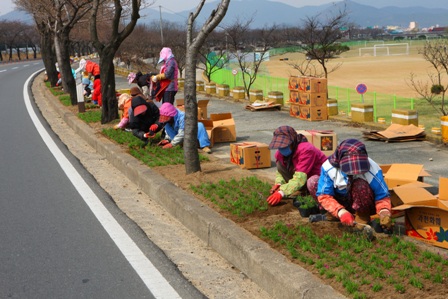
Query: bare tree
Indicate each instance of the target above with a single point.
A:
(250, 58)
(60, 16)
(436, 53)
(108, 43)
(319, 38)
(195, 40)
(213, 55)
(11, 36)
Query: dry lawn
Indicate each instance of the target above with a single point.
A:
(382, 74)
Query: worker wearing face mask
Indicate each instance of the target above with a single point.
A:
(298, 165)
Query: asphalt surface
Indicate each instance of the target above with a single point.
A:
(273, 272)
(52, 246)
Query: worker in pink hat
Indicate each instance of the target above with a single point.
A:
(174, 123)
(169, 71)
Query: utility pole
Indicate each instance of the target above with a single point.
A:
(161, 27)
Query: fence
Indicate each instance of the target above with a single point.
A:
(382, 103)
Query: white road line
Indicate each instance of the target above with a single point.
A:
(16, 67)
(2, 71)
(25, 65)
(152, 278)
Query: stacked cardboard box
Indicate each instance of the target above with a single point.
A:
(308, 98)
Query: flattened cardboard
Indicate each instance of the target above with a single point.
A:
(220, 127)
(396, 131)
(250, 155)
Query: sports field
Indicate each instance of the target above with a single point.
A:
(386, 76)
(382, 74)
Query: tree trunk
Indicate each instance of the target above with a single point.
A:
(63, 54)
(109, 98)
(191, 154)
(48, 54)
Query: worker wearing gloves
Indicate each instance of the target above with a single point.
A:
(352, 188)
(168, 75)
(298, 165)
(174, 121)
(143, 118)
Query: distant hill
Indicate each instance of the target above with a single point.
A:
(266, 13)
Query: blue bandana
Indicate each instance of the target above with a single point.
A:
(285, 151)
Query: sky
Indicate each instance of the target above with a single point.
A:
(181, 5)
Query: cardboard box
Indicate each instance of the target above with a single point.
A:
(421, 176)
(426, 215)
(293, 83)
(307, 112)
(294, 96)
(400, 173)
(308, 84)
(202, 107)
(313, 99)
(250, 155)
(326, 141)
(220, 127)
(313, 85)
(409, 176)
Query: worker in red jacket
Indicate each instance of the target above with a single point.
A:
(93, 70)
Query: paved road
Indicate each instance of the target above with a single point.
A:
(61, 235)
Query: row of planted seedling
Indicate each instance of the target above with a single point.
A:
(358, 263)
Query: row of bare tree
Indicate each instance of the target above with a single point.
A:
(106, 25)
(17, 38)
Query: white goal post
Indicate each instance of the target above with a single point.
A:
(386, 49)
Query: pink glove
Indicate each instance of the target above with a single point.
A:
(275, 198)
(153, 127)
(347, 219)
(274, 188)
(168, 145)
(163, 142)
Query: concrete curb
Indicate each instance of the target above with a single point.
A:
(269, 269)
